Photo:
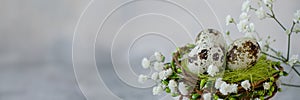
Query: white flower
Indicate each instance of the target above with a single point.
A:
(154, 76)
(212, 70)
(261, 13)
(251, 27)
(145, 63)
(157, 90)
(244, 16)
(218, 83)
(268, 2)
(233, 88)
(142, 78)
(278, 83)
(158, 66)
(246, 85)
(250, 35)
(165, 74)
(266, 86)
(242, 25)
(172, 86)
(297, 16)
(182, 88)
(293, 60)
(158, 56)
(225, 88)
(246, 6)
(256, 99)
(207, 96)
(229, 19)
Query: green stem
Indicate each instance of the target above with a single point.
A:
(273, 56)
(296, 71)
(273, 16)
(276, 52)
(292, 85)
(289, 41)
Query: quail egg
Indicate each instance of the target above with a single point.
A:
(207, 51)
(243, 53)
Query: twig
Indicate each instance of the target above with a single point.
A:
(296, 71)
(272, 56)
(292, 85)
(289, 41)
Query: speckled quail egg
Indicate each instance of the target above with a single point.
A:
(207, 51)
(210, 36)
(243, 53)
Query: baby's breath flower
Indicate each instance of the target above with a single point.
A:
(242, 26)
(142, 78)
(158, 56)
(154, 76)
(246, 85)
(182, 88)
(261, 13)
(172, 86)
(297, 16)
(165, 74)
(158, 66)
(145, 63)
(218, 83)
(233, 88)
(212, 70)
(246, 6)
(251, 27)
(266, 86)
(229, 20)
(268, 3)
(207, 96)
(293, 60)
(157, 90)
(225, 88)
(244, 16)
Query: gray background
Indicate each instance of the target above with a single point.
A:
(36, 45)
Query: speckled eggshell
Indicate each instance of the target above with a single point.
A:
(243, 53)
(209, 49)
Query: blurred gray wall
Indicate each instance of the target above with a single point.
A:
(36, 45)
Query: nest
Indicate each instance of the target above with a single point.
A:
(270, 74)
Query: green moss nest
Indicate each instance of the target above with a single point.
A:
(262, 70)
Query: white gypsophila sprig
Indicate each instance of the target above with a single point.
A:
(293, 60)
(228, 88)
(145, 63)
(207, 96)
(155, 76)
(233, 88)
(218, 83)
(164, 74)
(244, 16)
(212, 70)
(268, 3)
(157, 90)
(297, 16)
(246, 6)
(158, 66)
(172, 86)
(261, 13)
(251, 27)
(229, 20)
(142, 78)
(158, 56)
(224, 88)
(183, 88)
(242, 26)
(266, 85)
(246, 85)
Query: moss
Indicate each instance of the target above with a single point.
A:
(260, 71)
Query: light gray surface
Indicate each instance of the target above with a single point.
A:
(36, 43)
